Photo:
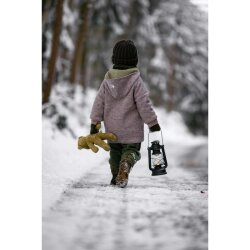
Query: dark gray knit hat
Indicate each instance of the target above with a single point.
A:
(125, 53)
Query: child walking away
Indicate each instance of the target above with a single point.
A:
(122, 102)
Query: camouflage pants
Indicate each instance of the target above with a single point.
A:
(120, 152)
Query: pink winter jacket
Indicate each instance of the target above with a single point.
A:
(124, 106)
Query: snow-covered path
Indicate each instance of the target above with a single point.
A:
(162, 212)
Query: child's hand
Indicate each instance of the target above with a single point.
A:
(88, 142)
(94, 128)
(155, 128)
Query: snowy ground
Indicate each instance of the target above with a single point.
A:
(202, 4)
(81, 210)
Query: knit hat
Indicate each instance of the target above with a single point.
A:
(125, 53)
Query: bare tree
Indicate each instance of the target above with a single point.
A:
(171, 78)
(45, 12)
(54, 51)
(80, 48)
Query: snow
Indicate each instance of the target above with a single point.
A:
(63, 162)
(159, 58)
(144, 216)
(202, 4)
(81, 210)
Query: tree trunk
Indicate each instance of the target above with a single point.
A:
(171, 79)
(80, 47)
(45, 13)
(47, 5)
(54, 51)
(83, 66)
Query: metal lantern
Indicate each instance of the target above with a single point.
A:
(157, 158)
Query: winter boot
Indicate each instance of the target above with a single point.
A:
(122, 177)
(114, 172)
(113, 181)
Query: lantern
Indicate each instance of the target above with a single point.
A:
(157, 158)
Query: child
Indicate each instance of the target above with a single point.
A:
(122, 102)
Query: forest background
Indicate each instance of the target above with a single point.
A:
(172, 41)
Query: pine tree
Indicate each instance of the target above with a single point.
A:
(182, 28)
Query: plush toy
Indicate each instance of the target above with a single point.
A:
(89, 142)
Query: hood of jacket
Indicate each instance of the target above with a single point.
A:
(120, 82)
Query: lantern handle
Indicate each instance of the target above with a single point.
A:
(154, 132)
